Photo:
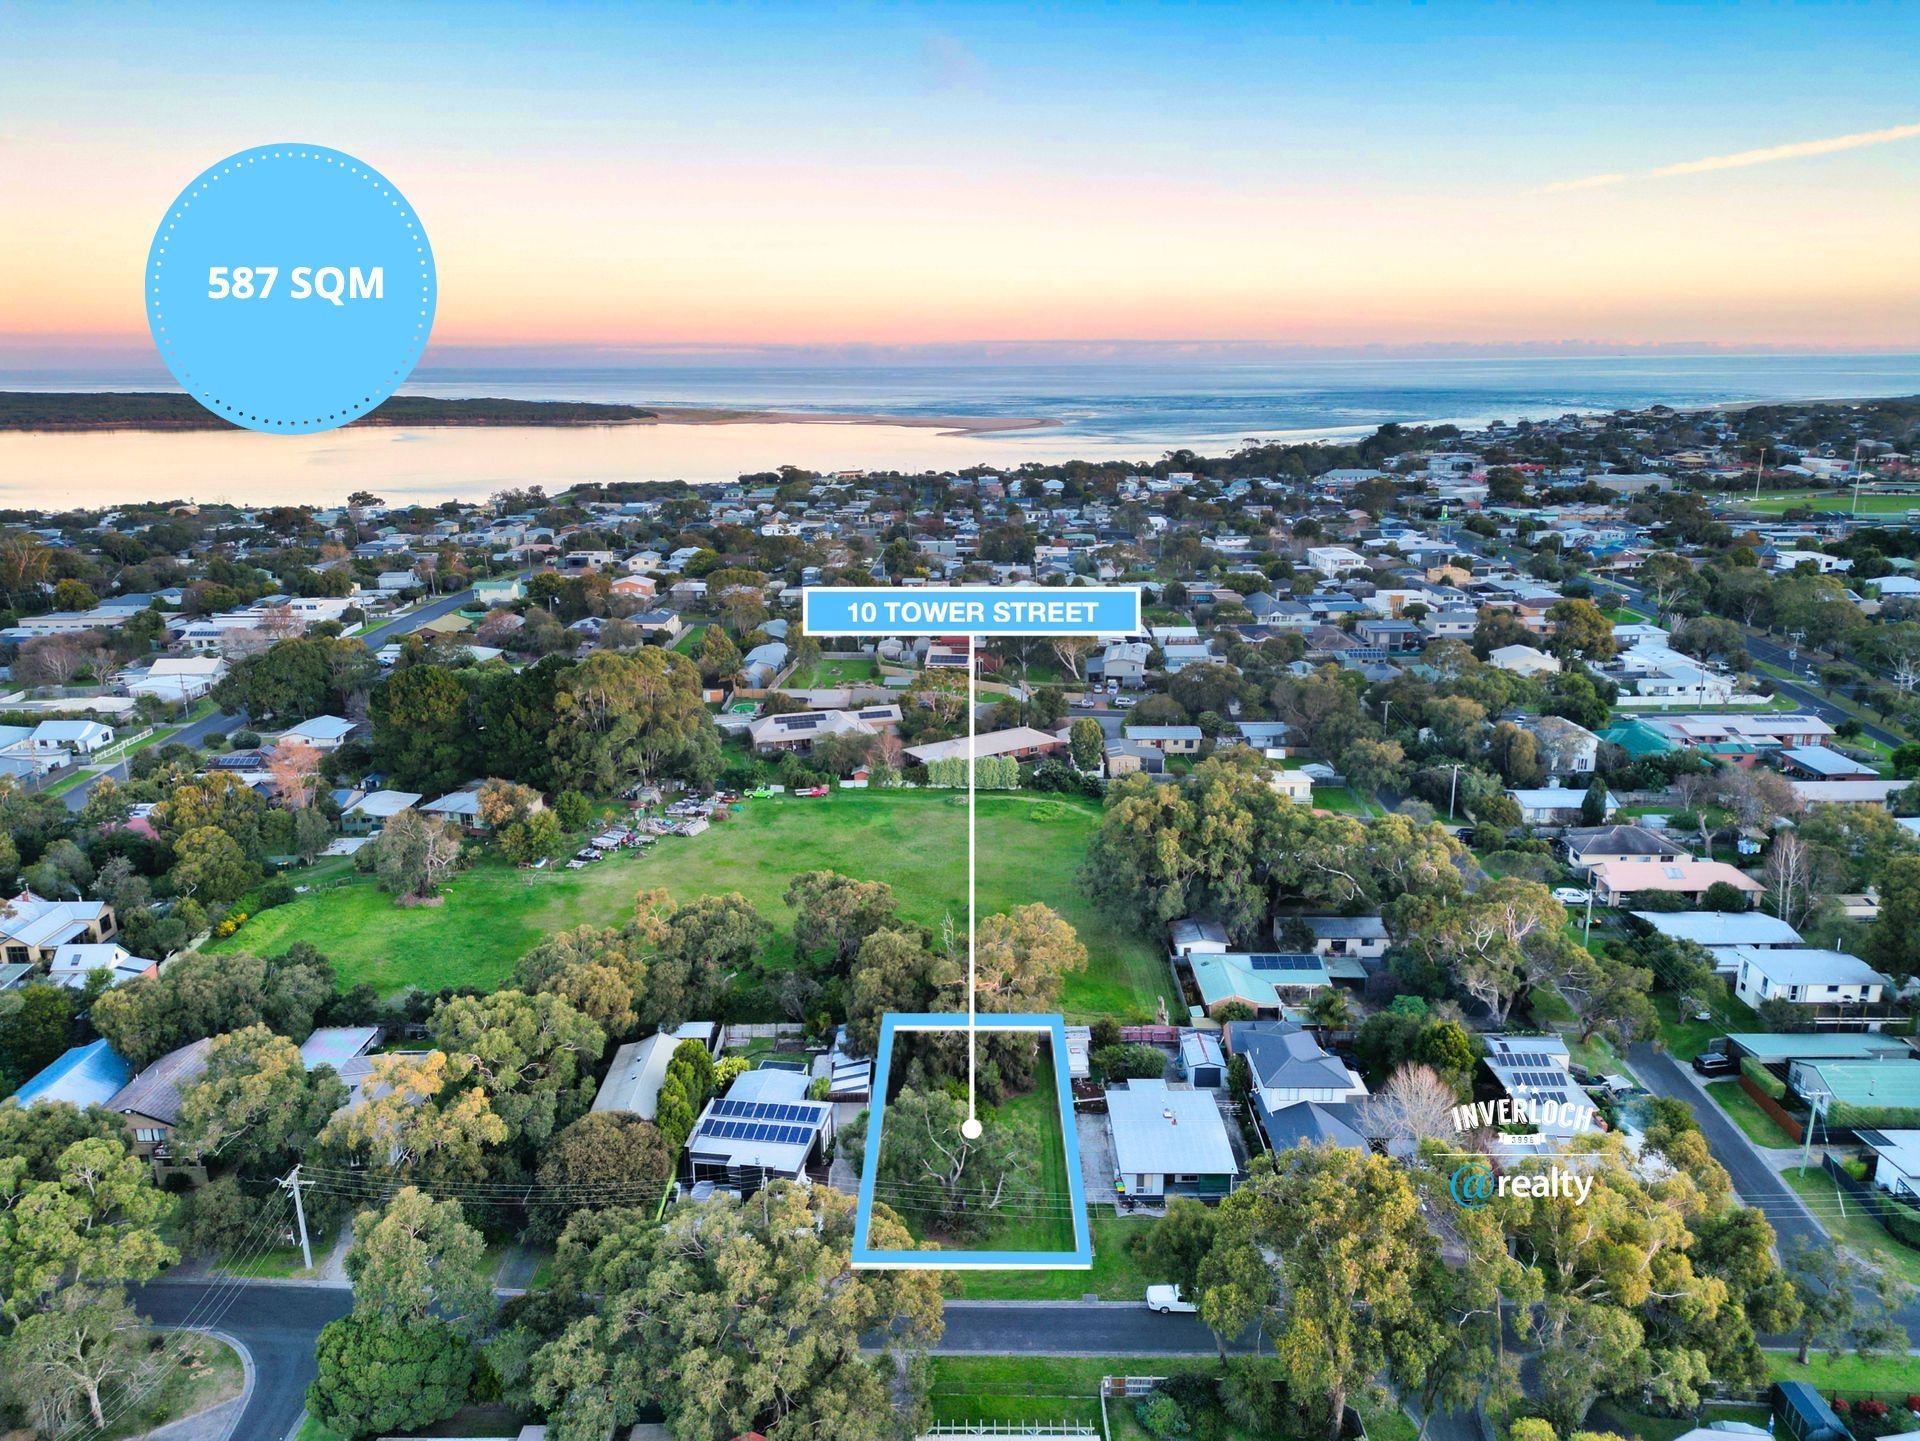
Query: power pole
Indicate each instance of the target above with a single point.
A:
(292, 1183)
(1453, 789)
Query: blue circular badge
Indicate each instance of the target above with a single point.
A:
(290, 288)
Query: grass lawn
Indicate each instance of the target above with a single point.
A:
(1610, 1416)
(1115, 1276)
(1745, 1113)
(689, 639)
(208, 1372)
(1870, 504)
(1890, 1375)
(1855, 1230)
(1684, 1037)
(1067, 1388)
(835, 670)
(312, 1430)
(1342, 800)
(1044, 1225)
(1030, 849)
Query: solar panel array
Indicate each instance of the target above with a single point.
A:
(1536, 1059)
(1284, 961)
(758, 1131)
(767, 1111)
(1544, 1080)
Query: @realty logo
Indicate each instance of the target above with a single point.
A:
(1474, 1185)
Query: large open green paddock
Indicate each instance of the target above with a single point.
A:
(1030, 849)
(1773, 503)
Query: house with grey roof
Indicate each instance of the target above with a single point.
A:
(151, 1104)
(764, 1129)
(1589, 846)
(1169, 1141)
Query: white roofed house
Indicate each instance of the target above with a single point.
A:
(764, 1129)
(320, 733)
(74, 962)
(1831, 987)
(76, 737)
(368, 814)
(178, 677)
(1169, 1141)
(1554, 805)
(33, 928)
(1523, 660)
(1540, 1090)
(1566, 749)
(463, 808)
(1020, 742)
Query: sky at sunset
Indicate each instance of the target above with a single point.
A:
(908, 175)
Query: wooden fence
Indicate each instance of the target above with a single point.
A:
(1781, 1116)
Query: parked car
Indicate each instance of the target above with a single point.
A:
(812, 791)
(1168, 1301)
(1715, 1063)
(1571, 895)
(1125, 702)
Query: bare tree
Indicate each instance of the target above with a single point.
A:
(293, 766)
(1796, 876)
(57, 659)
(1414, 1104)
(1069, 649)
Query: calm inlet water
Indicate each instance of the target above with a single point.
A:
(1107, 412)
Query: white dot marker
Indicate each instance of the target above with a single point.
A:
(971, 1128)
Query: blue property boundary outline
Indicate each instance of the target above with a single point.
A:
(866, 1257)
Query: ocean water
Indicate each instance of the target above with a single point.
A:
(1174, 403)
(1106, 411)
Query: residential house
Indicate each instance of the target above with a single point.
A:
(639, 1069)
(1896, 1160)
(1020, 742)
(1823, 763)
(322, 733)
(1589, 846)
(81, 1076)
(1535, 1073)
(1523, 660)
(178, 678)
(151, 1104)
(799, 730)
(1266, 982)
(1357, 937)
(1614, 881)
(32, 928)
(368, 814)
(1169, 1141)
(75, 961)
(1809, 977)
(764, 1129)
(1565, 749)
(1336, 560)
(71, 737)
(1554, 805)
(1171, 740)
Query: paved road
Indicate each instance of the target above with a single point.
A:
(194, 734)
(1800, 692)
(278, 1324)
(401, 625)
(1757, 1182)
(1076, 1328)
